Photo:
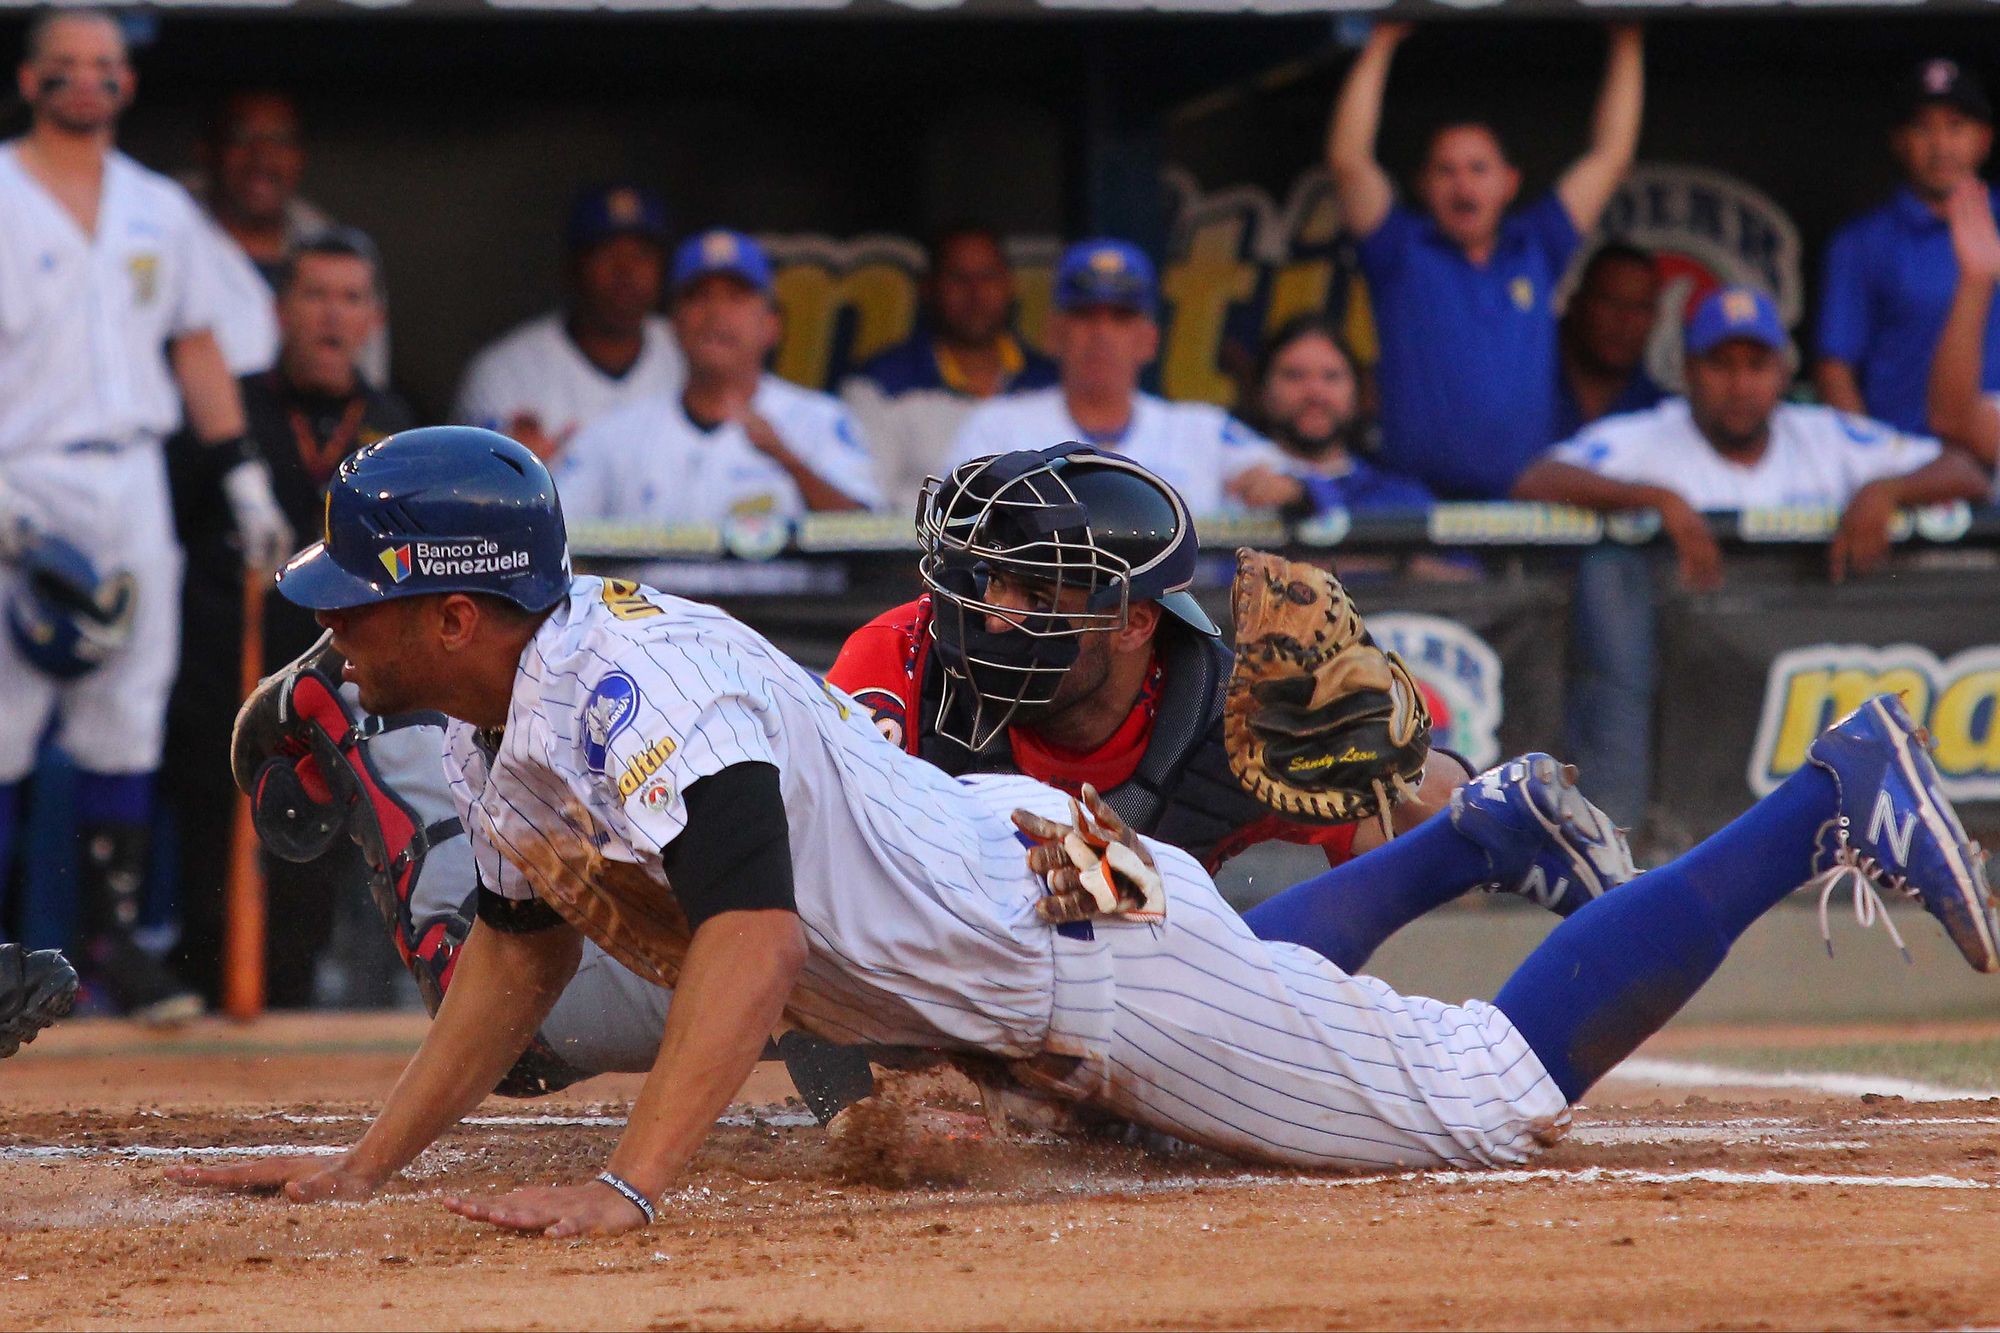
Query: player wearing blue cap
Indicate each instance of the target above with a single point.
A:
(736, 441)
(1731, 443)
(548, 378)
(1103, 333)
(647, 773)
(1734, 443)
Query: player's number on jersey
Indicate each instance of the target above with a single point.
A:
(624, 600)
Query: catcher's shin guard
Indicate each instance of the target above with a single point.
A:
(1320, 724)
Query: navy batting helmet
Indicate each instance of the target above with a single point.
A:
(65, 619)
(441, 509)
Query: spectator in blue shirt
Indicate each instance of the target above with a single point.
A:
(1308, 404)
(1602, 339)
(1461, 292)
(1890, 273)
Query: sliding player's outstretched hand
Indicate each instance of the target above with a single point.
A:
(556, 1210)
(1095, 867)
(303, 1179)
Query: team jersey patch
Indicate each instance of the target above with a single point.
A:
(887, 709)
(607, 712)
(644, 765)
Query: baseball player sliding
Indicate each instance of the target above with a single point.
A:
(106, 307)
(745, 835)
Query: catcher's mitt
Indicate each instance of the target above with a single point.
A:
(1320, 724)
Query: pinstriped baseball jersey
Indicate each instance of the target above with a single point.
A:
(919, 909)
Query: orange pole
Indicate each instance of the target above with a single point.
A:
(243, 914)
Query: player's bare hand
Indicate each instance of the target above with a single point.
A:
(1974, 238)
(1700, 556)
(303, 1179)
(1096, 866)
(1391, 34)
(1862, 543)
(556, 1210)
(1262, 487)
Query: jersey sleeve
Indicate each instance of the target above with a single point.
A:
(1383, 251)
(483, 396)
(1609, 452)
(1243, 448)
(1553, 231)
(877, 667)
(829, 440)
(1874, 451)
(584, 474)
(201, 289)
(670, 738)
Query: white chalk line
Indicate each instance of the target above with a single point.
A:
(1589, 1175)
(1692, 1074)
(738, 1119)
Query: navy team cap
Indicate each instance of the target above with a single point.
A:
(1106, 272)
(615, 210)
(1942, 82)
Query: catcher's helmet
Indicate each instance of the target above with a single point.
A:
(1061, 519)
(440, 509)
(65, 619)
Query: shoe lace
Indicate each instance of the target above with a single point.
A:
(1853, 867)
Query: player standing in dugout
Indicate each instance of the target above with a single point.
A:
(107, 302)
(775, 861)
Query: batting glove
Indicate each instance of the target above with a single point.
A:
(260, 524)
(1096, 867)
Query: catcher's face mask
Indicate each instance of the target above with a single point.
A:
(1011, 516)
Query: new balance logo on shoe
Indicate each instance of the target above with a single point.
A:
(1883, 821)
(1536, 887)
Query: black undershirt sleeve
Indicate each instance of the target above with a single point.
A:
(513, 916)
(735, 855)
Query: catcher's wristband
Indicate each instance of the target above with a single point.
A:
(632, 1195)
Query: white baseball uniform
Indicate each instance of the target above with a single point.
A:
(1196, 447)
(647, 462)
(537, 370)
(86, 396)
(918, 907)
(1817, 457)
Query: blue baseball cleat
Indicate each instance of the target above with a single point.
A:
(1896, 832)
(1543, 840)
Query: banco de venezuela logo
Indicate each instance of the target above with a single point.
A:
(397, 561)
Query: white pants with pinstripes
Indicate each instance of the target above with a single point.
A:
(1268, 1052)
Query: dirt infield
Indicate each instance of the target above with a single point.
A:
(1663, 1209)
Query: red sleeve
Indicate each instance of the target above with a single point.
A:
(1337, 840)
(881, 665)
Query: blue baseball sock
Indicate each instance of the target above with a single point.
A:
(1345, 914)
(1612, 975)
(114, 798)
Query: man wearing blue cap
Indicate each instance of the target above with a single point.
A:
(737, 441)
(1103, 334)
(1731, 443)
(554, 374)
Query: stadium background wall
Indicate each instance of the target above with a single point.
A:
(459, 151)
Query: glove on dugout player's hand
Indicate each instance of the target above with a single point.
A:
(1320, 724)
(1094, 868)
